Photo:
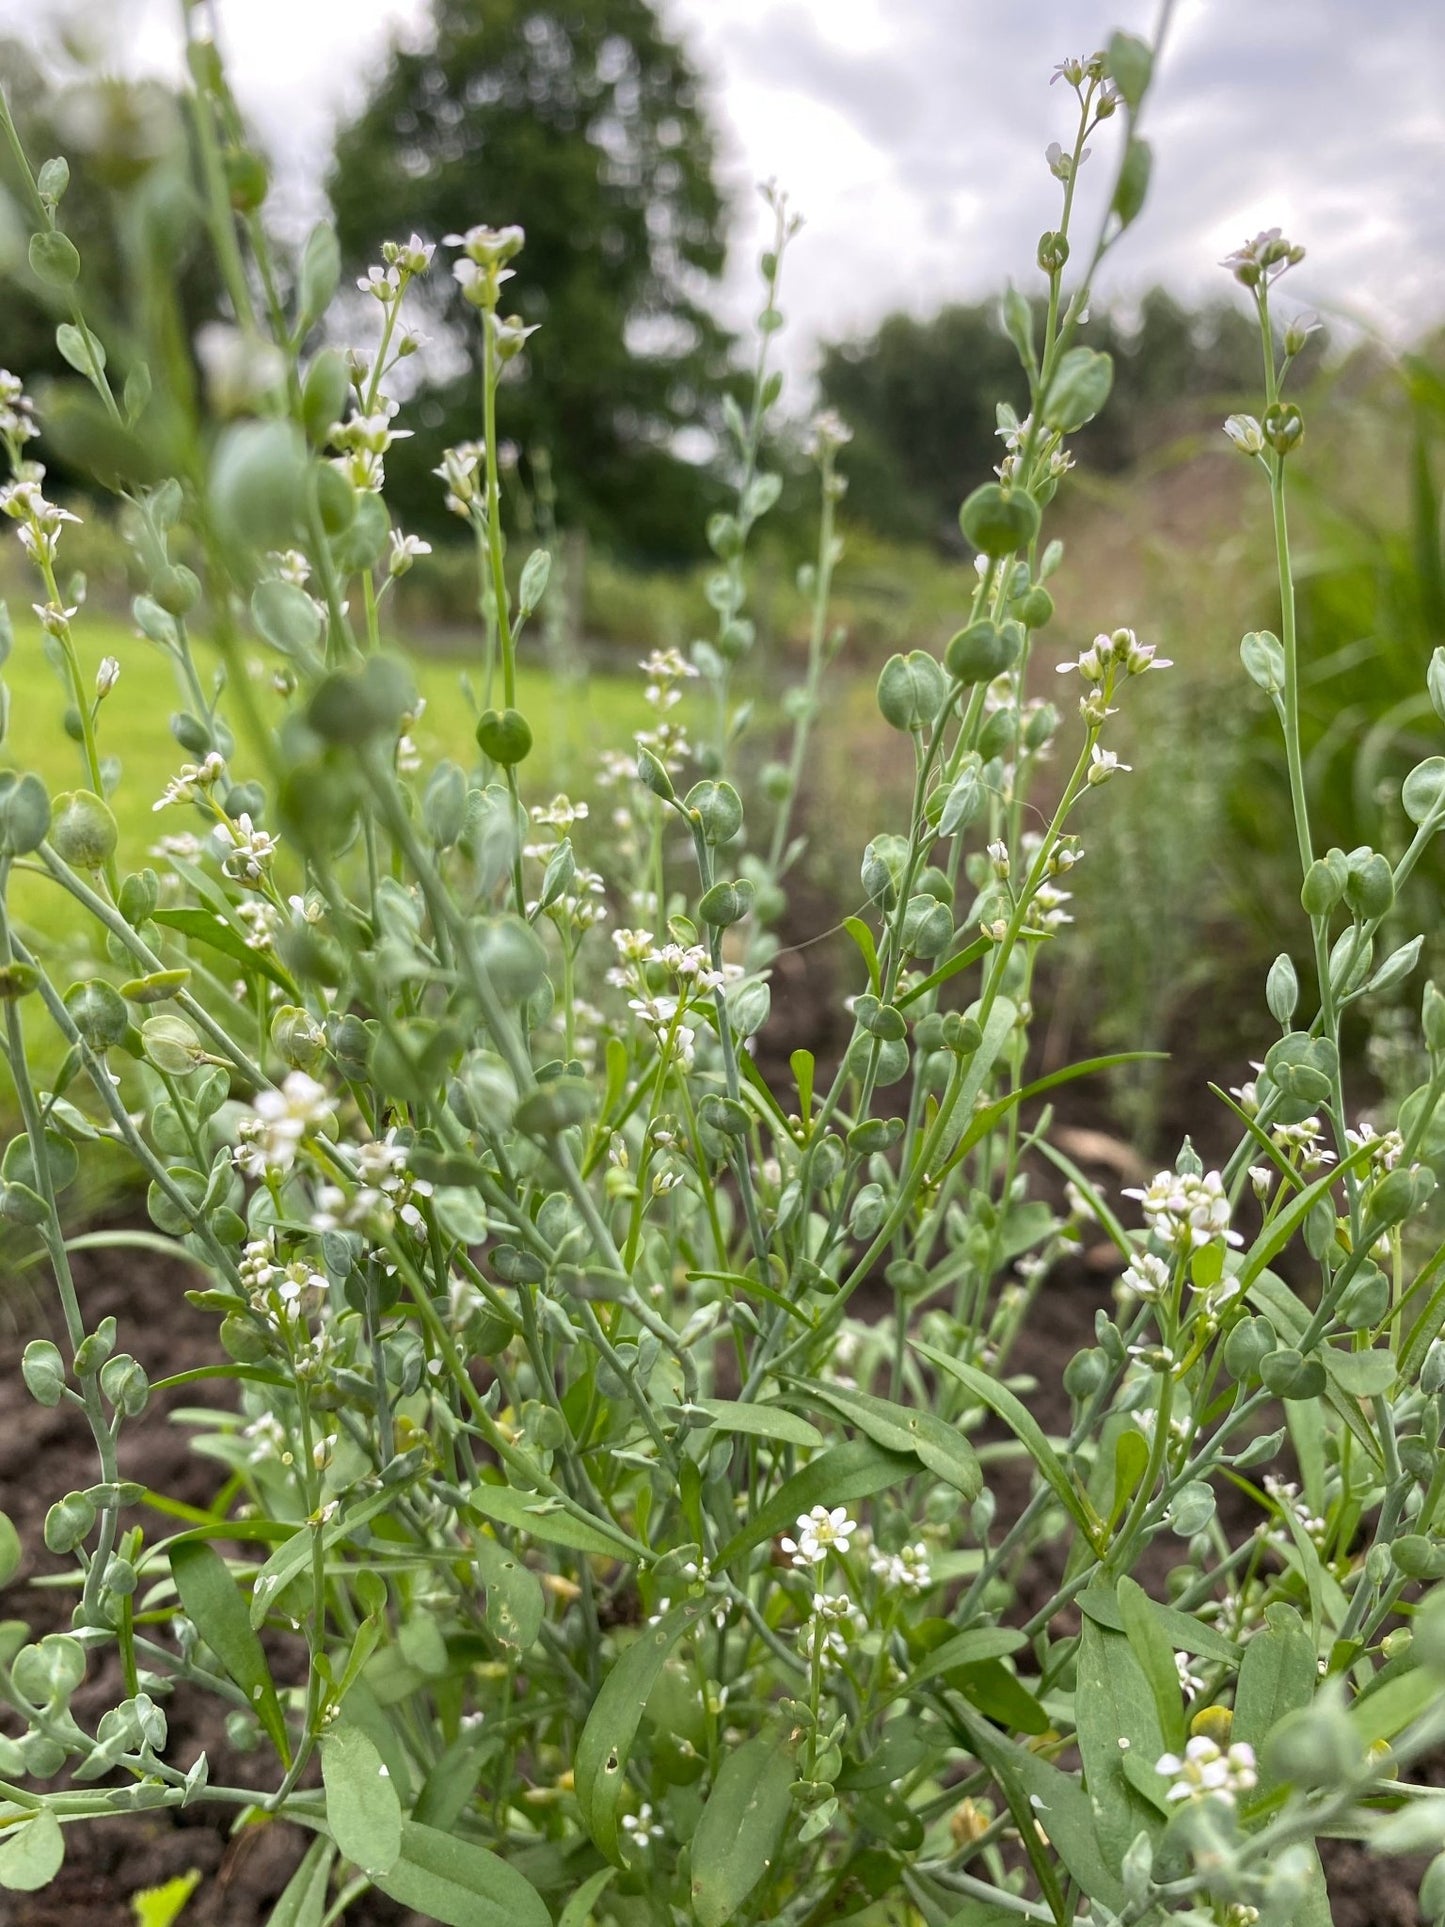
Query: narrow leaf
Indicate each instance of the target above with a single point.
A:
(600, 1766)
(303, 1904)
(763, 1421)
(845, 1472)
(217, 1607)
(460, 1884)
(741, 1829)
(1145, 1630)
(363, 1813)
(548, 1522)
(901, 1428)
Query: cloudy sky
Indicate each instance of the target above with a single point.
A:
(911, 133)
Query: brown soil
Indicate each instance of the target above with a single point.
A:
(44, 1453)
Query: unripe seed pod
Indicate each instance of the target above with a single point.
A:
(68, 1522)
(982, 651)
(83, 830)
(43, 1370)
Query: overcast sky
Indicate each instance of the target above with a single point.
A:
(910, 133)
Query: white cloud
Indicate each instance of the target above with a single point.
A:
(910, 133)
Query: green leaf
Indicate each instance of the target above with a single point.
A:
(293, 1555)
(363, 1813)
(762, 1421)
(74, 342)
(1184, 1633)
(303, 1904)
(741, 1829)
(1026, 1428)
(600, 1766)
(996, 1030)
(969, 954)
(1390, 1707)
(546, 1521)
(1146, 1631)
(202, 926)
(964, 1649)
(863, 937)
(900, 1428)
(515, 1606)
(1055, 1800)
(216, 1605)
(1359, 1374)
(1277, 1675)
(844, 1472)
(31, 1854)
(459, 1884)
(578, 1910)
(1113, 1703)
(162, 1906)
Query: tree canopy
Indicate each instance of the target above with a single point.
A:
(920, 396)
(581, 121)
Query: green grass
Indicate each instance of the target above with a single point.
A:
(572, 720)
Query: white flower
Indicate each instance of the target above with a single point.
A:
(905, 1571)
(279, 1121)
(1103, 764)
(106, 677)
(404, 551)
(247, 850)
(192, 779)
(1189, 1681)
(1207, 1772)
(1246, 434)
(640, 1827)
(488, 247)
(819, 1533)
(1147, 1276)
(1187, 1211)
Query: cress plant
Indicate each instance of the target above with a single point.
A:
(607, 1431)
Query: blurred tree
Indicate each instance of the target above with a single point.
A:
(920, 396)
(579, 119)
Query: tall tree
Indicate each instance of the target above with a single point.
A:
(580, 120)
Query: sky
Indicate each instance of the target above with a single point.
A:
(911, 134)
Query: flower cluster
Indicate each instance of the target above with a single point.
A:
(819, 1533)
(1209, 1772)
(1187, 1209)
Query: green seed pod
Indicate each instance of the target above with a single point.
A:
(1053, 251)
(17, 980)
(11, 1556)
(24, 813)
(1397, 1196)
(874, 1136)
(258, 478)
(157, 988)
(243, 1340)
(1289, 1376)
(1432, 1017)
(177, 589)
(1370, 885)
(652, 774)
(95, 1348)
(83, 830)
(911, 690)
(962, 1035)
(512, 956)
(1283, 427)
(351, 707)
(880, 1020)
(1249, 1343)
(718, 808)
(999, 521)
(50, 1671)
(927, 926)
(1085, 1373)
(505, 736)
(1419, 1557)
(68, 1522)
(982, 651)
(1323, 887)
(1035, 607)
(139, 894)
(361, 543)
(336, 498)
(247, 179)
(1281, 990)
(724, 1114)
(884, 862)
(299, 1039)
(124, 1382)
(726, 903)
(1315, 1746)
(323, 394)
(554, 1107)
(870, 1207)
(43, 1370)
